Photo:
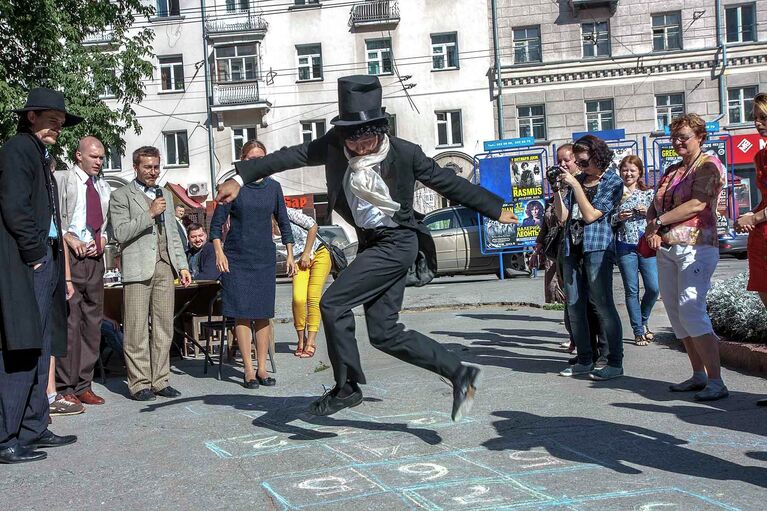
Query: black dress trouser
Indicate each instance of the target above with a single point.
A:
(24, 373)
(376, 280)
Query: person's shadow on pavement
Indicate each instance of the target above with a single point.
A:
(614, 446)
(281, 412)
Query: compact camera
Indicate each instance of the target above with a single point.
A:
(552, 176)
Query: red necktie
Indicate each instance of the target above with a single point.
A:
(94, 218)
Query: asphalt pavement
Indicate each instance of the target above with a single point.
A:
(534, 440)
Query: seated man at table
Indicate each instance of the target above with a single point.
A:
(151, 254)
(201, 254)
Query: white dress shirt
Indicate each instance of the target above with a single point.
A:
(77, 224)
(366, 216)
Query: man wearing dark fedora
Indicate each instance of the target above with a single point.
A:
(33, 318)
(371, 177)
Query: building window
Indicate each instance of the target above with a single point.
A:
(599, 115)
(233, 6)
(741, 104)
(167, 8)
(306, 2)
(113, 160)
(239, 137)
(449, 130)
(531, 121)
(106, 90)
(378, 56)
(596, 39)
(171, 73)
(237, 62)
(309, 62)
(667, 31)
(311, 130)
(444, 51)
(741, 23)
(392, 118)
(667, 108)
(527, 45)
(176, 148)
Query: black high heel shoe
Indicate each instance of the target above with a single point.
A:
(250, 384)
(266, 382)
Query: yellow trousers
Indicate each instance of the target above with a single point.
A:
(307, 290)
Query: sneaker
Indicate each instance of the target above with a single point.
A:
(577, 369)
(711, 393)
(62, 406)
(689, 385)
(600, 362)
(606, 373)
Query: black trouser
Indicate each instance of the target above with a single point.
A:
(376, 279)
(24, 373)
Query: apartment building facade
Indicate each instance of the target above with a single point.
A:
(268, 70)
(571, 66)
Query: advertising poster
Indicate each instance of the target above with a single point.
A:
(530, 214)
(618, 154)
(498, 235)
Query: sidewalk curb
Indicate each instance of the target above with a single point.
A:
(740, 356)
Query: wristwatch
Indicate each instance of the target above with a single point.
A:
(657, 221)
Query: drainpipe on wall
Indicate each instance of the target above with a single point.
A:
(497, 58)
(722, 46)
(211, 156)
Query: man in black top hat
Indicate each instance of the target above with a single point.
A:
(33, 320)
(371, 177)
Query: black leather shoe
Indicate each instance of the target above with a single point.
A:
(267, 382)
(464, 387)
(330, 403)
(51, 439)
(250, 384)
(143, 395)
(761, 402)
(168, 392)
(20, 454)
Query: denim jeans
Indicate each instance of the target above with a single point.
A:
(589, 278)
(631, 265)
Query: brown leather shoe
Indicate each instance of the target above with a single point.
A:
(89, 398)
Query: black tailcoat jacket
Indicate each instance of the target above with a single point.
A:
(404, 165)
(26, 191)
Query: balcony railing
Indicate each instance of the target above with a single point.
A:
(225, 94)
(245, 22)
(376, 12)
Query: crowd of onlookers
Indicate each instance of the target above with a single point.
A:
(667, 236)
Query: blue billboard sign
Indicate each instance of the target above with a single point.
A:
(508, 143)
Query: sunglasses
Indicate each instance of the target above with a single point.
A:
(582, 163)
(682, 139)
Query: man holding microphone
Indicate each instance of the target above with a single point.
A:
(151, 254)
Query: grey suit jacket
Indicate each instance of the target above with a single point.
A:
(136, 231)
(67, 181)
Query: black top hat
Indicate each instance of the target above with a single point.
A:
(46, 99)
(359, 101)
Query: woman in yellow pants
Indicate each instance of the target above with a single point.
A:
(313, 267)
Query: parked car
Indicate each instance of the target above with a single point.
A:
(455, 231)
(333, 234)
(733, 244)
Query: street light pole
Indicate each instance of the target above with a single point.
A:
(211, 146)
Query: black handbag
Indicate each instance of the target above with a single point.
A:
(337, 256)
(552, 242)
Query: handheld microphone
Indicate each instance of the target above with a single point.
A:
(161, 216)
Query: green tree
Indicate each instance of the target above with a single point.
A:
(50, 43)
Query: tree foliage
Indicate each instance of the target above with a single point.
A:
(49, 43)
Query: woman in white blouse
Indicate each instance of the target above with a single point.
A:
(313, 266)
(630, 220)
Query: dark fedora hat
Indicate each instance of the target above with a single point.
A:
(359, 101)
(40, 99)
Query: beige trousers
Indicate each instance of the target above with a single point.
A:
(148, 359)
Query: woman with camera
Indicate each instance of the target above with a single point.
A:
(681, 226)
(630, 223)
(589, 254)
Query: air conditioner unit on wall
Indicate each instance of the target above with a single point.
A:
(197, 189)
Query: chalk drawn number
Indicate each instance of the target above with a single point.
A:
(265, 443)
(474, 497)
(325, 485)
(654, 505)
(534, 459)
(427, 471)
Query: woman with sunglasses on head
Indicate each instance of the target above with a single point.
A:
(248, 263)
(629, 219)
(589, 254)
(681, 226)
(755, 221)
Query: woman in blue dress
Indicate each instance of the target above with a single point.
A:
(248, 262)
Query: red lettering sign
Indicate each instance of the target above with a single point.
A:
(745, 147)
(299, 201)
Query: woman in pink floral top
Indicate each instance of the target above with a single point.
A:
(681, 225)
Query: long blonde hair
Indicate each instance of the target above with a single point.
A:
(760, 103)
